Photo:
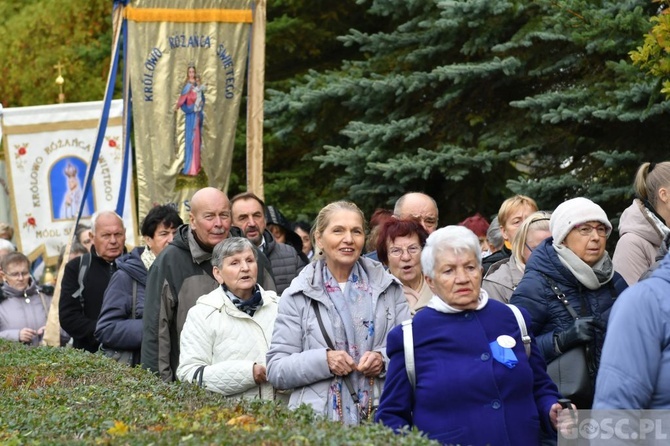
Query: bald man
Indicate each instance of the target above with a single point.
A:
(419, 206)
(181, 274)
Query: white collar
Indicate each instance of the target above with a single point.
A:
(438, 304)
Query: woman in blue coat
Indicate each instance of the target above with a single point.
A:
(118, 329)
(575, 261)
(475, 383)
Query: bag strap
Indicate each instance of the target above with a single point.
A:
(561, 296)
(134, 305)
(408, 344)
(522, 327)
(197, 376)
(83, 268)
(329, 343)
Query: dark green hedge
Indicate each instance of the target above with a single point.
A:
(65, 396)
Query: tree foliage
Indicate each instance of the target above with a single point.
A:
(652, 56)
(301, 36)
(471, 101)
(37, 35)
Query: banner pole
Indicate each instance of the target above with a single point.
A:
(52, 330)
(256, 85)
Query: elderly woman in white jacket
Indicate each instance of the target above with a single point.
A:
(227, 333)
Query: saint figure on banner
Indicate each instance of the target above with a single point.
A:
(73, 194)
(192, 101)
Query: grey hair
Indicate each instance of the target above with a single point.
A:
(230, 247)
(494, 235)
(453, 238)
(97, 215)
(6, 245)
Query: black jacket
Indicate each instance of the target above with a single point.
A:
(285, 261)
(80, 322)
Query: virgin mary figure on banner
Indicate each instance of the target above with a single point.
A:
(192, 102)
(70, 190)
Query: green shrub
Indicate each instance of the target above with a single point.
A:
(66, 396)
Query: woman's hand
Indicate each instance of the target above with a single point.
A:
(259, 374)
(26, 335)
(371, 364)
(340, 363)
(563, 419)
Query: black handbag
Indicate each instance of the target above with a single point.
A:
(571, 372)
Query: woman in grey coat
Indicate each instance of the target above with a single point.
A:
(23, 307)
(329, 340)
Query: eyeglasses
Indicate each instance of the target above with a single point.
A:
(411, 250)
(586, 230)
(18, 274)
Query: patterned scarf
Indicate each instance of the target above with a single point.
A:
(147, 258)
(352, 315)
(249, 306)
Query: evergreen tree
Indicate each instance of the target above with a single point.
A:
(301, 36)
(472, 101)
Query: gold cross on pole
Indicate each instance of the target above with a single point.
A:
(60, 81)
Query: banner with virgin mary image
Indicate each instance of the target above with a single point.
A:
(187, 63)
(47, 151)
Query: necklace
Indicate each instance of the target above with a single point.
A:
(362, 415)
(338, 401)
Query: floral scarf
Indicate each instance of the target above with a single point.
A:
(352, 316)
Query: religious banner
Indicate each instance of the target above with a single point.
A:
(47, 151)
(5, 213)
(186, 62)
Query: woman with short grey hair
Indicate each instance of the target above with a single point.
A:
(467, 349)
(227, 333)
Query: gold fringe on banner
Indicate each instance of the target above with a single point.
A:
(188, 15)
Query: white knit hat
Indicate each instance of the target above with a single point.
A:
(575, 212)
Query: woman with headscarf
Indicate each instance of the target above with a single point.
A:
(329, 341)
(571, 265)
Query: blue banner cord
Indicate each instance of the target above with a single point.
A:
(127, 114)
(102, 126)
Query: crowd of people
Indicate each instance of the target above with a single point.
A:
(405, 323)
